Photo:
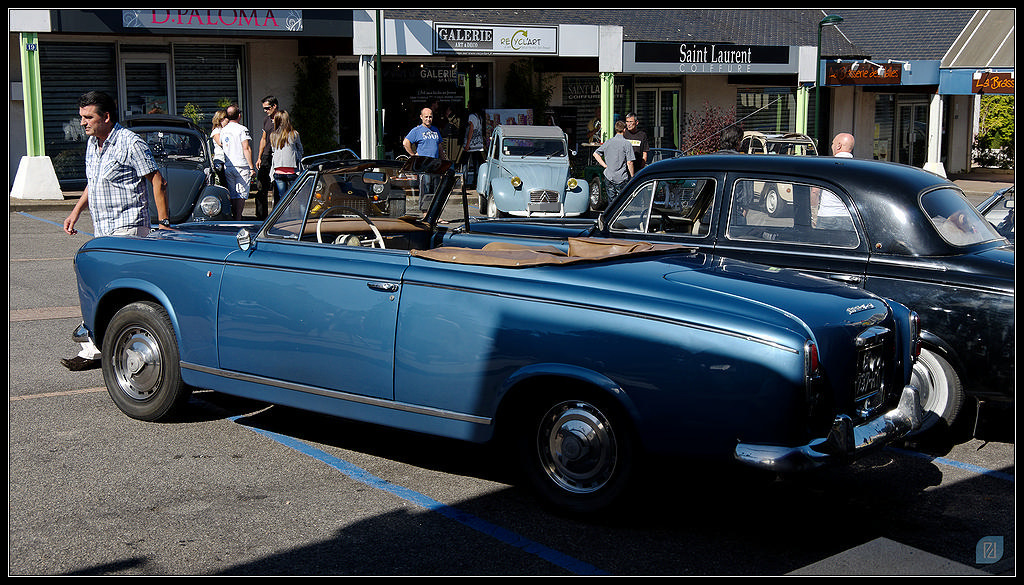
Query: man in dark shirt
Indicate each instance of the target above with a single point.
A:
(263, 160)
(638, 138)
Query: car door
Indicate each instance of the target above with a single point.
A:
(818, 231)
(320, 315)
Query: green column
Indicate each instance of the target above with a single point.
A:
(33, 92)
(607, 106)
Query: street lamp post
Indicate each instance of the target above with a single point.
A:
(830, 20)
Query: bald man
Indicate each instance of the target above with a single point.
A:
(842, 145)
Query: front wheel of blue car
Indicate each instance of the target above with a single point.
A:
(140, 362)
(578, 454)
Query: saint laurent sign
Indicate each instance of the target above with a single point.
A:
(708, 58)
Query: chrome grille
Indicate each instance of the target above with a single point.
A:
(874, 350)
(543, 196)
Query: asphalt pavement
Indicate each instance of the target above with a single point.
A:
(880, 555)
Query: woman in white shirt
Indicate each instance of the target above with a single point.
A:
(287, 152)
(219, 119)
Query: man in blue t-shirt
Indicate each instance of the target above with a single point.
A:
(425, 139)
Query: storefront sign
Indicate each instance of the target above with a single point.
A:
(473, 38)
(287, 20)
(708, 58)
(863, 74)
(988, 82)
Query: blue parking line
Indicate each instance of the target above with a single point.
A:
(953, 463)
(60, 225)
(570, 564)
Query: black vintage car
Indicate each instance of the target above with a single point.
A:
(184, 153)
(895, 230)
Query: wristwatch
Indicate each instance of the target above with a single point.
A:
(165, 222)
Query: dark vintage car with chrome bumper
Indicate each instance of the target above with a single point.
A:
(185, 157)
(582, 358)
(897, 231)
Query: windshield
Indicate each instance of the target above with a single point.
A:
(955, 219)
(345, 201)
(546, 147)
(173, 145)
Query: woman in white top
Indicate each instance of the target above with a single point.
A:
(287, 152)
(219, 119)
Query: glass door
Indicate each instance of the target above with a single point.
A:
(912, 133)
(146, 86)
(660, 115)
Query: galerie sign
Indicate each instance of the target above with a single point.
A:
(214, 19)
(469, 38)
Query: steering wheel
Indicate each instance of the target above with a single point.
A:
(378, 240)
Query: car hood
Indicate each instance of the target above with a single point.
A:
(817, 301)
(539, 174)
(749, 299)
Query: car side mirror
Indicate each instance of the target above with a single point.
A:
(244, 238)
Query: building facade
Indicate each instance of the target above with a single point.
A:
(681, 71)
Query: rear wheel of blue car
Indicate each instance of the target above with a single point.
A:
(577, 453)
(140, 362)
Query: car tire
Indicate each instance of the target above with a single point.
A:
(940, 390)
(577, 453)
(141, 364)
(773, 203)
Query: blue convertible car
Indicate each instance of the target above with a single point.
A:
(583, 358)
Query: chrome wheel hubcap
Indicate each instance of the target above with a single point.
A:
(577, 447)
(137, 363)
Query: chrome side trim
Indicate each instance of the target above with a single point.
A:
(348, 397)
(844, 440)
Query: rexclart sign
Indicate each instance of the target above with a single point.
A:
(483, 38)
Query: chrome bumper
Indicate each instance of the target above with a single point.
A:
(844, 440)
(81, 334)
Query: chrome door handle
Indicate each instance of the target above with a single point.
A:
(847, 278)
(388, 287)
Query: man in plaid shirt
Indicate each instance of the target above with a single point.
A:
(117, 164)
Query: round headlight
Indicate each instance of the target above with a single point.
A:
(517, 182)
(572, 184)
(210, 206)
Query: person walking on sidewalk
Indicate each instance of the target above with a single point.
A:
(235, 139)
(264, 174)
(118, 162)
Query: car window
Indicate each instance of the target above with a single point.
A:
(545, 147)
(790, 213)
(290, 219)
(956, 220)
(668, 206)
(164, 144)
